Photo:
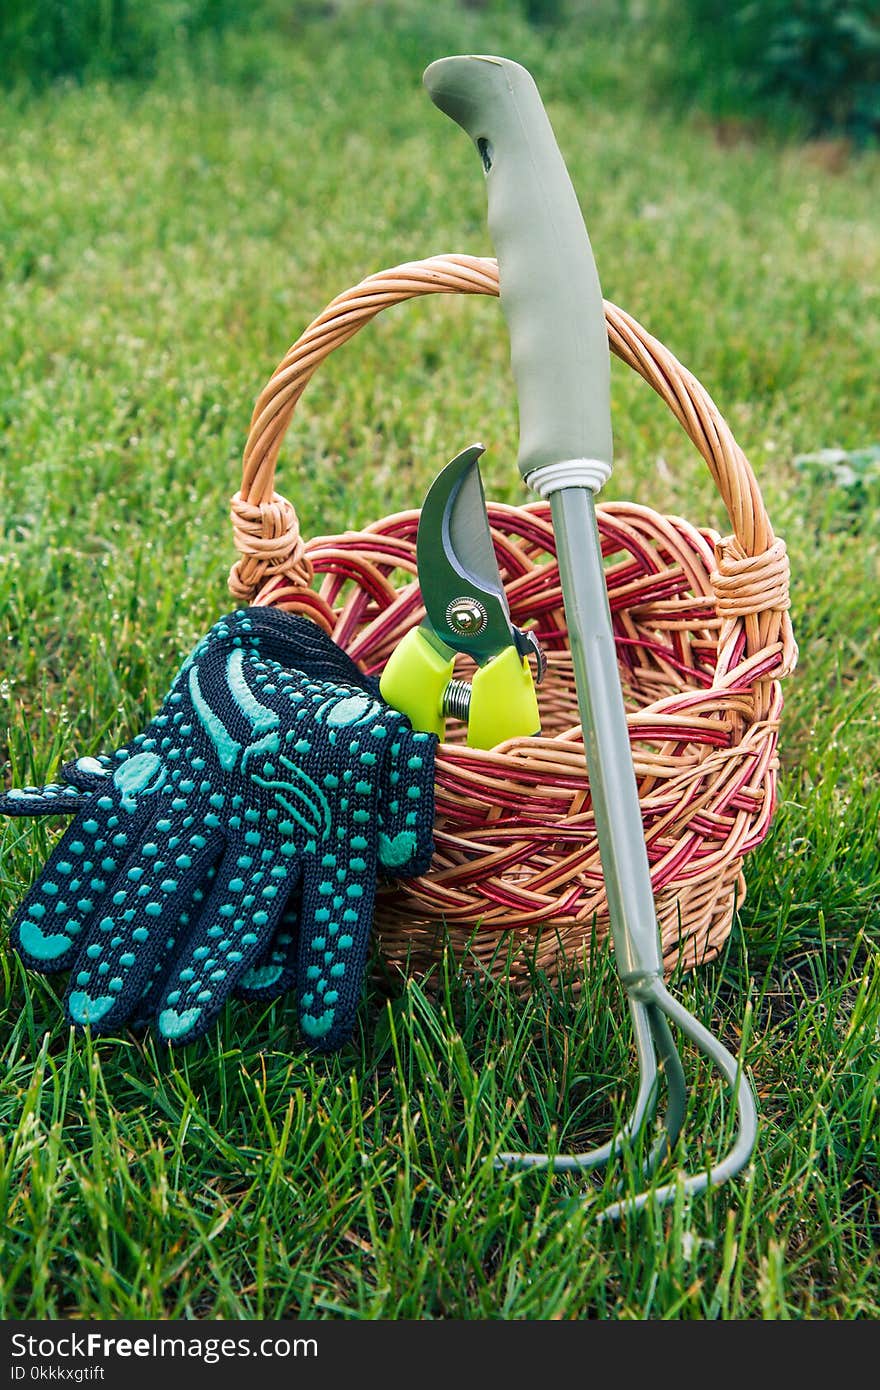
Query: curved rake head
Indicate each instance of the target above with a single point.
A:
(652, 1008)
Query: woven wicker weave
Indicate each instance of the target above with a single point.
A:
(703, 639)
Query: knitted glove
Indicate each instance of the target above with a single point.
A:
(233, 846)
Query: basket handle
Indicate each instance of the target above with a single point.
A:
(751, 575)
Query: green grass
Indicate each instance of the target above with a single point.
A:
(162, 247)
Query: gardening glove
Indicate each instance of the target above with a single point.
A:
(234, 846)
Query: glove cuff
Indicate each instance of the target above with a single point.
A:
(294, 642)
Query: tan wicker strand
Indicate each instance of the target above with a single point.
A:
(703, 634)
(267, 534)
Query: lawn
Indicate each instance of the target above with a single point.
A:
(162, 247)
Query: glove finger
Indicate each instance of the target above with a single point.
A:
(406, 804)
(92, 774)
(232, 929)
(137, 926)
(144, 1011)
(334, 941)
(274, 972)
(55, 915)
(52, 799)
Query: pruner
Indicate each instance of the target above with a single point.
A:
(466, 610)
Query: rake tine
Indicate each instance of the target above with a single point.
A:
(644, 1105)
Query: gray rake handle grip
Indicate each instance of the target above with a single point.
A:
(549, 288)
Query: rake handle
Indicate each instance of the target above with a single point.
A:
(552, 300)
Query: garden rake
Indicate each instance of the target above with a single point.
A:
(553, 305)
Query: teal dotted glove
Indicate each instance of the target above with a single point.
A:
(235, 845)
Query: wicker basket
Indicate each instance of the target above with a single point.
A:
(703, 638)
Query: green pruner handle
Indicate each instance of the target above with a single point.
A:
(415, 681)
(499, 704)
(503, 701)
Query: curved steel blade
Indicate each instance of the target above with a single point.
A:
(461, 585)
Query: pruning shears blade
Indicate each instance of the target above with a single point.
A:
(465, 604)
